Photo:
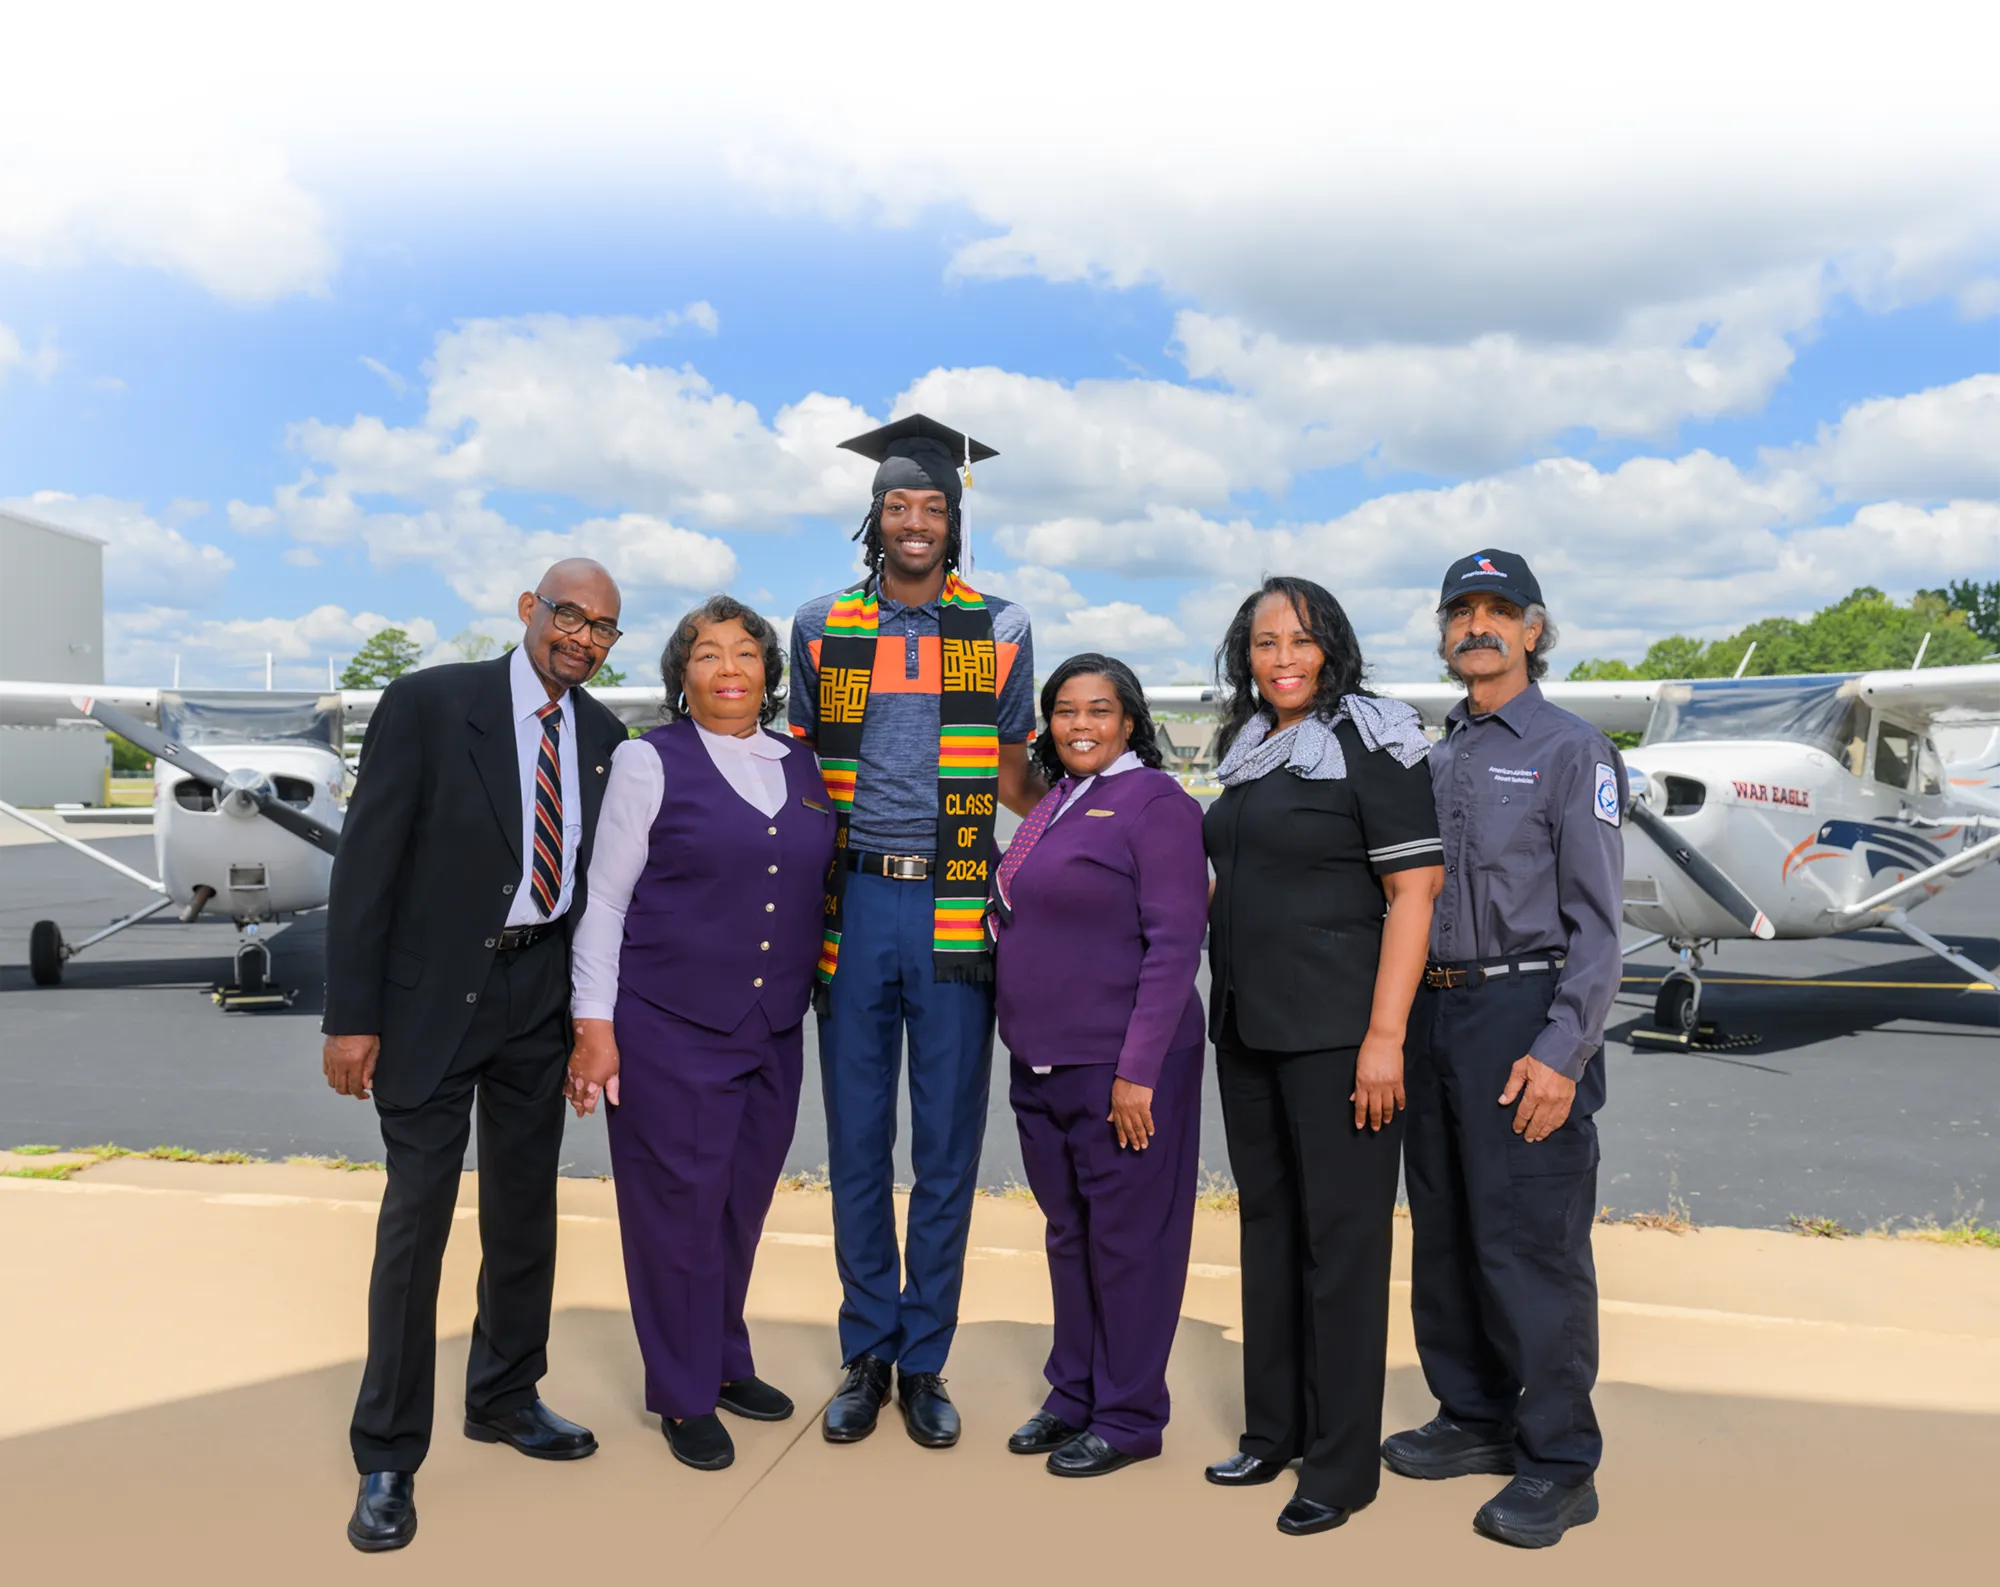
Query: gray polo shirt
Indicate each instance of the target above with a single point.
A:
(1530, 804)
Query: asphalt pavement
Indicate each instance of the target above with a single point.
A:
(1871, 1097)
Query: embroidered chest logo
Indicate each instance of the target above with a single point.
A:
(969, 666)
(1519, 775)
(843, 694)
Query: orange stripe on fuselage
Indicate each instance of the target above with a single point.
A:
(888, 677)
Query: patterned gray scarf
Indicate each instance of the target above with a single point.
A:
(1311, 749)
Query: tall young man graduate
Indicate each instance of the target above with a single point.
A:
(917, 693)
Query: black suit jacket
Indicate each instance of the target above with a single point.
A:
(429, 861)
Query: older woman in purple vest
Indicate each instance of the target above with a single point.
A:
(1101, 902)
(693, 970)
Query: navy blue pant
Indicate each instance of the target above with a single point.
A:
(884, 988)
(1503, 1290)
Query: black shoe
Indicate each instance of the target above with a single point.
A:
(1303, 1517)
(1087, 1455)
(754, 1400)
(850, 1414)
(1041, 1433)
(699, 1441)
(534, 1429)
(1244, 1471)
(927, 1410)
(385, 1512)
(1444, 1448)
(1533, 1512)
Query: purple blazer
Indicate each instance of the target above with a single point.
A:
(1098, 965)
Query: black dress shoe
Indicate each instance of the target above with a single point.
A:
(699, 1441)
(850, 1414)
(1041, 1433)
(755, 1400)
(1087, 1455)
(385, 1512)
(1444, 1448)
(1303, 1517)
(1244, 1471)
(927, 1410)
(534, 1429)
(1533, 1512)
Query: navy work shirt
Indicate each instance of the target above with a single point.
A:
(1530, 801)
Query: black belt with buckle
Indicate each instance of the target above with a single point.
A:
(1477, 972)
(525, 936)
(897, 867)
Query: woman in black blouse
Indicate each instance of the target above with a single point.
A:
(1327, 859)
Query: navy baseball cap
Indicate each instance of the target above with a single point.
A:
(1496, 573)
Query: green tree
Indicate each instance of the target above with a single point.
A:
(1981, 605)
(128, 759)
(608, 677)
(387, 656)
(475, 646)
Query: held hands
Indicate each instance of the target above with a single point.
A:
(348, 1063)
(1131, 1114)
(1378, 1082)
(593, 1067)
(1545, 1098)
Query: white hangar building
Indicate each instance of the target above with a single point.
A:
(53, 633)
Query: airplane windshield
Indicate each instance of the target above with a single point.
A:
(1807, 710)
(246, 717)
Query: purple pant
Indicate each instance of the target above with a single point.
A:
(698, 1139)
(1120, 1224)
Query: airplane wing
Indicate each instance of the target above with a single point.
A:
(357, 705)
(1948, 696)
(637, 705)
(53, 705)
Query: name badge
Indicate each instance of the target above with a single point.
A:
(1100, 812)
(814, 804)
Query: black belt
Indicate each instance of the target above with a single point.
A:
(897, 867)
(515, 937)
(1477, 972)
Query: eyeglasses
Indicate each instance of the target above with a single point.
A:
(573, 619)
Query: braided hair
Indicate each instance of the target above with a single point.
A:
(875, 550)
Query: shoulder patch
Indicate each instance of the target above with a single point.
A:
(1604, 800)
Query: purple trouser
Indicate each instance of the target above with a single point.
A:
(697, 1142)
(1120, 1224)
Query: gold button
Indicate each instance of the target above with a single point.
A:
(774, 870)
(758, 982)
(763, 947)
(769, 907)
(772, 830)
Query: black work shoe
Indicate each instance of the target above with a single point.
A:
(1041, 1433)
(534, 1429)
(1087, 1455)
(1303, 1517)
(1444, 1448)
(850, 1414)
(1533, 1512)
(927, 1410)
(1244, 1471)
(754, 1400)
(385, 1512)
(699, 1441)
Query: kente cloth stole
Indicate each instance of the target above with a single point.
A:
(968, 767)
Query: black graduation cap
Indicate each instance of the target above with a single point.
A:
(918, 453)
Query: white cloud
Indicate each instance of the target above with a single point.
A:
(1930, 445)
(145, 642)
(385, 374)
(39, 363)
(144, 559)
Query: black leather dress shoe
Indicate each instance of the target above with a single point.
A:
(1533, 1512)
(927, 1410)
(699, 1441)
(1303, 1517)
(1444, 1448)
(1244, 1471)
(851, 1413)
(755, 1400)
(1041, 1433)
(1087, 1455)
(385, 1512)
(534, 1429)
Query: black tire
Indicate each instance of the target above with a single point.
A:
(1674, 1009)
(45, 953)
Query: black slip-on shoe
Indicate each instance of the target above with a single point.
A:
(385, 1512)
(1444, 1448)
(1534, 1512)
(928, 1413)
(1087, 1455)
(754, 1400)
(1041, 1433)
(852, 1412)
(1303, 1517)
(1245, 1471)
(533, 1429)
(699, 1441)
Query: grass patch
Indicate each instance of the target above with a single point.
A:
(107, 1153)
(1960, 1231)
(343, 1165)
(1013, 1190)
(44, 1171)
(1677, 1219)
(1819, 1228)
(1216, 1192)
(35, 1151)
(807, 1179)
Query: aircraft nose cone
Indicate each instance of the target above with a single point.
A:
(240, 790)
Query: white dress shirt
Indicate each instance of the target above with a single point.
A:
(1125, 762)
(529, 697)
(753, 768)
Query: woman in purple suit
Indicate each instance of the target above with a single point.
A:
(693, 969)
(1099, 909)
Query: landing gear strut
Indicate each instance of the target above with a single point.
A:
(48, 952)
(253, 988)
(1677, 1021)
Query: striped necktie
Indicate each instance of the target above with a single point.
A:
(547, 871)
(1025, 838)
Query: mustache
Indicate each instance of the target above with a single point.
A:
(1480, 642)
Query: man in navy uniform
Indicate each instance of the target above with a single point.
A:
(1506, 1069)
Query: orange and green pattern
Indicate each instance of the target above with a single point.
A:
(839, 776)
(968, 750)
(958, 926)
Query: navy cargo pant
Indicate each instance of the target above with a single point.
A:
(1503, 1290)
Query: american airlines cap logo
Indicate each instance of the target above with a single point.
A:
(1482, 569)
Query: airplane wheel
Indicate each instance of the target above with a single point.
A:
(1674, 1008)
(45, 953)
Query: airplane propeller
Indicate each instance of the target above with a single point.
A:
(241, 787)
(1703, 872)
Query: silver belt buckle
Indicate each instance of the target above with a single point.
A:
(906, 867)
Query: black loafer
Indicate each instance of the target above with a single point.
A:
(1040, 1433)
(1303, 1517)
(1533, 1512)
(385, 1512)
(699, 1441)
(851, 1413)
(1244, 1471)
(1444, 1448)
(534, 1429)
(927, 1410)
(1087, 1455)
(754, 1400)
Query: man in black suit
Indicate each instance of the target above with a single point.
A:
(458, 879)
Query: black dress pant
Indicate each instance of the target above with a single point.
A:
(511, 1065)
(1318, 1197)
(1503, 1290)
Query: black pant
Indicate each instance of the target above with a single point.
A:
(512, 1059)
(1318, 1197)
(1503, 1290)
